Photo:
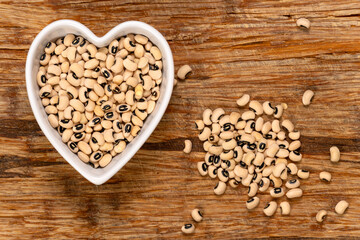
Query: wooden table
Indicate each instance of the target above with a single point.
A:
(234, 47)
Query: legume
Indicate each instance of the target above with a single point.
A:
(334, 154)
(303, 23)
(341, 207)
(285, 208)
(183, 71)
(84, 90)
(325, 176)
(270, 208)
(188, 228)
(307, 97)
(188, 146)
(321, 215)
(196, 215)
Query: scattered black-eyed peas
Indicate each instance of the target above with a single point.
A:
(325, 176)
(303, 23)
(334, 154)
(188, 146)
(98, 98)
(183, 71)
(341, 207)
(252, 203)
(188, 228)
(321, 215)
(285, 208)
(307, 97)
(270, 208)
(196, 214)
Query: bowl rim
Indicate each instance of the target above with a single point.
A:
(99, 42)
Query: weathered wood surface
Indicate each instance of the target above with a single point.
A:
(233, 47)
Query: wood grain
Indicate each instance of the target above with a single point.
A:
(233, 47)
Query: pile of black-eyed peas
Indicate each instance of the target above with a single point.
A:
(259, 150)
(99, 98)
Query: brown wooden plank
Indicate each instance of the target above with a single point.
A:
(233, 47)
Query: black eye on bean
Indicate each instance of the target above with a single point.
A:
(74, 76)
(251, 146)
(262, 146)
(73, 145)
(128, 128)
(42, 57)
(268, 136)
(94, 140)
(106, 74)
(78, 135)
(83, 43)
(96, 120)
(97, 69)
(132, 44)
(76, 41)
(48, 45)
(227, 126)
(65, 120)
(61, 129)
(242, 164)
(216, 159)
(252, 126)
(116, 90)
(97, 156)
(109, 115)
(204, 166)
(113, 49)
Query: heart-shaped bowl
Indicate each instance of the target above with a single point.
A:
(61, 28)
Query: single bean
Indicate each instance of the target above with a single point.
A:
(303, 174)
(303, 23)
(325, 176)
(270, 208)
(285, 208)
(196, 214)
(188, 228)
(243, 100)
(188, 146)
(341, 207)
(220, 188)
(183, 71)
(307, 97)
(321, 216)
(334, 154)
(252, 203)
(294, 193)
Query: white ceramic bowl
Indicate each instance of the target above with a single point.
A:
(62, 27)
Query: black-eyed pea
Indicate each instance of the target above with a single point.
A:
(66, 135)
(266, 128)
(243, 100)
(217, 114)
(227, 155)
(272, 150)
(129, 97)
(204, 134)
(278, 169)
(294, 145)
(292, 169)
(268, 109)
(242, 173)
(220, 188)
(294, 135)
(307, 97)
(259, 124)
(41, 78)
(199, 125)
(281, 135)
(68, 39)
(253, 188)
(238, 154)
(256, 107)
(240, 125)
(261, 146)
(65, 67)
(285, 208)
(50, 47)
(292, 183)
(270, 208)
(77, 41)
(53, 120)
(77, 105)
(98, 111)
(84, 147)
(288, 125)
(321, 216)
(276, 182)
(202, 168)
(108, 135)
(264, 184)
(247, 180)
(120, 146)
(278, 111)
(105, 160)
(295, 156)
(58, 50)
(107, 147)
(251, 169)
(341, 207)
(303, 174)
(73, 147)
(294, 193)
(127, 129)
(68, 112)
(277, 192)
(188, 228)
(44, 59)
(282, 153)
(83, 157)
(135, 130)
(45, 101)
(129, 45)
(252, 203)
(96, 156)
(45, 91)
(269, 161)
(72, 92)
(79, 128)
(229, 144)
(51, 109)
(63, 103)
(250, 126)
(223, 175)
(275, 126)
(325, 176)
(334, 154)
(66, 123)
